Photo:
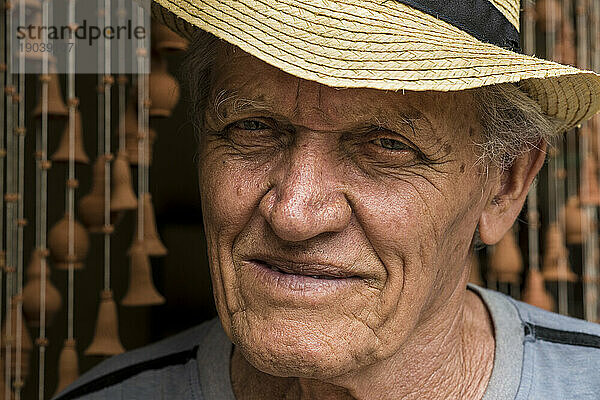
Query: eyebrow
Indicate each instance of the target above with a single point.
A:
(228, 102)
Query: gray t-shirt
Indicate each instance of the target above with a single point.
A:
(538, 355)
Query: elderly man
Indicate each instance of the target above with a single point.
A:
(340, 210)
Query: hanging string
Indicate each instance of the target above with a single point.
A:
(588, 210)
(143, 104)
(590, 253)
(3, 68)
(42, 195)
(71, 183)
(593, 272)
(122, 80)
(108, 81)
(21, 222)
(555, 167)
(562, 168)
(100, 87)
(10, 198)
(533, 215)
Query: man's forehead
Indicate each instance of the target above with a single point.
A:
(242, 83)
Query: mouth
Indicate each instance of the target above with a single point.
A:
(299, 281)
(314, 270)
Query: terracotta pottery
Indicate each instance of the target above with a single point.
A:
(58, 243)
(141, 290)
(62, 153)
(556, 261)
(574, 219)
(106, 340)
(506, 262)
(11, 337)
(164, 89)
(166, 41)
(588, 131)
(589, 191)
(549, 15)
(68, 365)
(535, 292)
(31, 291)
(91, 206)
(56, 105)
(132, 136)
(565, 50)
(122, 195)
(152, 243)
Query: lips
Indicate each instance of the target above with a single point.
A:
(304, 282)
(313, 269)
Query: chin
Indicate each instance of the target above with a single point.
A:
(292, 348)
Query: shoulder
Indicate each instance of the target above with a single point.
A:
(167, 366)
(548, 327)
(560, 354)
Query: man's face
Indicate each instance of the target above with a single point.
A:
(338, 222)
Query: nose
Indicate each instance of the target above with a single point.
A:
(305, 199)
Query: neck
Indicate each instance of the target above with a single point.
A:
(449, 359)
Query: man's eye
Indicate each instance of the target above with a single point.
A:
(390, 144)
(251, 125)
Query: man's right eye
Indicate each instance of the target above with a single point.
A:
(250, 125)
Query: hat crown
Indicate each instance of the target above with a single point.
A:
(510, 9)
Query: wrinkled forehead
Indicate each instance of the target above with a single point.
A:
(240, 80)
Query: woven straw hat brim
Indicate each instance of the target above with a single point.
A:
(380, 45)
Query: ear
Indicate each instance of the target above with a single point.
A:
(509, 194)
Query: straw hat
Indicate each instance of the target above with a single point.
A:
(392, 45)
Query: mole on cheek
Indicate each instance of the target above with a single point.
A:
(462, 168)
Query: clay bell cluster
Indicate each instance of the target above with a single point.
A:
(69, 238)
(571, 182)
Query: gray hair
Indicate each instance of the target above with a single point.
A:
(512, 123)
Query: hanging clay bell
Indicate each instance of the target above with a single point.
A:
(475, 274)
(164, 89)
(165, 40)
(31, 291)
(122, 195)
(549, 14)
(574, 219)
(556, 257)
(506, 263)
(58, 243)
(106, 340)
(565, 51)
(62, 153)
(91, 206)
(10, 336)
(535, 292)
(68, 365)
(141, 290)
(589, 190)
(133, 136)
(56, 105)
(589, 130)
(152, 243)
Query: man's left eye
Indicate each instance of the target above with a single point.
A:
(389, 144)
(251, 125)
